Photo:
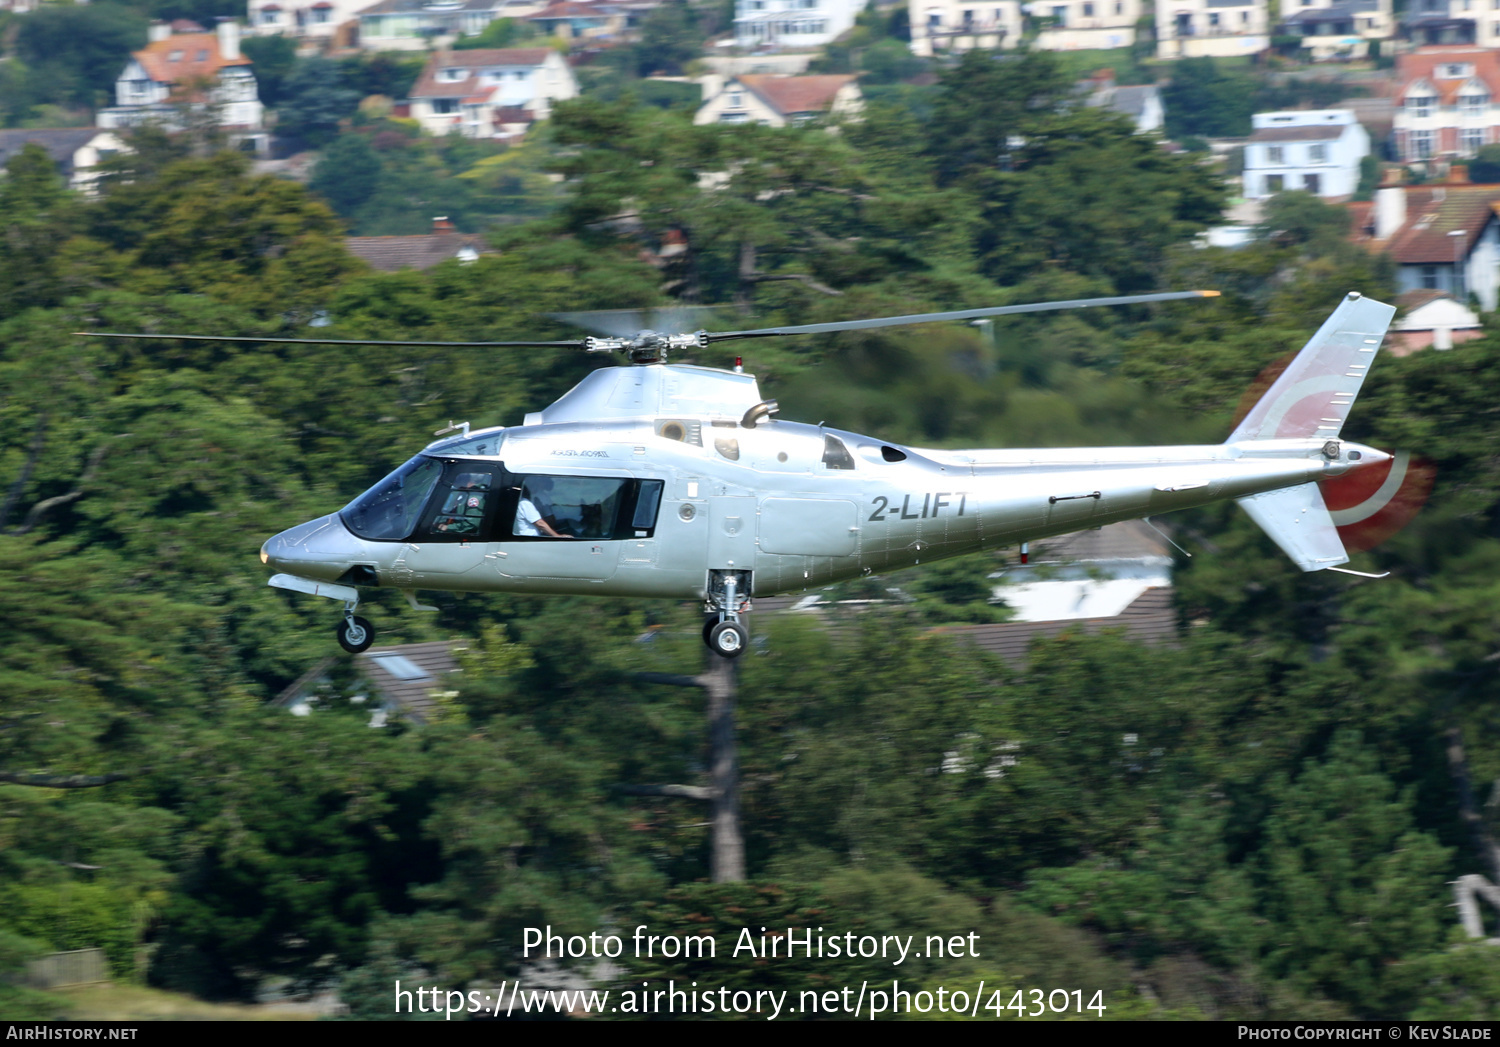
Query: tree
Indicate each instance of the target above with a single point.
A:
(78, 51)
(315, 101)
(1205, 101)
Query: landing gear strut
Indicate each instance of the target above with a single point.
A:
(355, 634)
(724, 633)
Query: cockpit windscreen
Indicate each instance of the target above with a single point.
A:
(388, 512)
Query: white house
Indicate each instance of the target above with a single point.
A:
(1316, 150)
(955, 26)
(416, 25)
(311, 19)
(1211, 28)
(777, 101)
(792, 23)
(490, 93)
(194, 70)
(77, 151)
(1336, 28)
(1432, 319)
(1442, 22)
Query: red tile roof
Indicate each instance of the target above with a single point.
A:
(197, 58)
(1432, 212)
(789, 95)
(1422, 65)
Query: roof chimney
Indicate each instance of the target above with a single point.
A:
(442, 225)
(1390, 211)
(159, 30)
(229, 39)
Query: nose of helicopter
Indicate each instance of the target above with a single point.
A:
(320, 549)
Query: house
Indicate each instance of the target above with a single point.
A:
(792, 23)
(77, 151)
(1336, 28)
(1149, 618)
(490, 93)
(304, 19)
(180, 70)
(955, 26)
(1428, 23)
(1442, 237)
(1445, 102)
(1211, 28)
(417, 25)
(407, 681)
(1432, 319)
(392, 253)
(777, 101)
(572, 20)
(1141, 103)
(1318, 151)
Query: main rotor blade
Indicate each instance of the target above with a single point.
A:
(577, 344)
(961, 314)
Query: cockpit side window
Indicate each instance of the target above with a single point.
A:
(835, 454)
(465, 506)
(389, 511)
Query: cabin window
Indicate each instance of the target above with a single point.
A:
(572, 507)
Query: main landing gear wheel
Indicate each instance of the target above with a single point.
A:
(728, 639)
(355, 634)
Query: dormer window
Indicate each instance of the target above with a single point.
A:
(452, 76)
(1454, 70)
(1420, 104)
(174, 56)
(203, 55)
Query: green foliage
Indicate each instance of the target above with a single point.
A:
(502, 32)
(77, 51)
(274, 58)
(1485, 167)
(1206, 100)
(314, 101)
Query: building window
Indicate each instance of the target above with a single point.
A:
(1471, 140)
(1474, 104)
(1119, 9)
(1275, 154)
(1275, 183)
(320, 15)
(1088, 10)
(1420, 105)
(444, 106)
(1312, 183)
(1420, 146)
(1317, 154)
(1429, 278)
(1213, 20)
(1060, 14)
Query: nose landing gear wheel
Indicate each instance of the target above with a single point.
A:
(728, 639)
(355, 634)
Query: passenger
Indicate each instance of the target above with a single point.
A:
(531, 521)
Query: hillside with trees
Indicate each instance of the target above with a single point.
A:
(1260, 819)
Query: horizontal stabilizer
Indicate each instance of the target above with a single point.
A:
(1299, 522)
(1313, 395)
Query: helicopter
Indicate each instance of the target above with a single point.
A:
(669, 480)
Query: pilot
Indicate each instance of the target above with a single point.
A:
(530, 520)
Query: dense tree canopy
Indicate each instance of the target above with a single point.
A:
(1257, 819)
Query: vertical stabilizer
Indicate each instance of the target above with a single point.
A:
(1313, 395)
(1299, 522)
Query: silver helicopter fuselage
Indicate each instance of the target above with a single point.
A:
(781, 505)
